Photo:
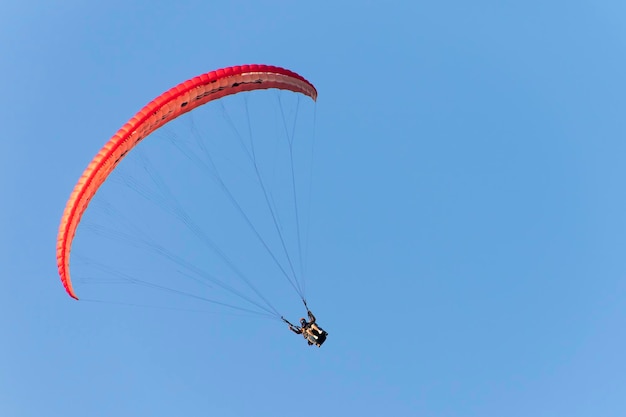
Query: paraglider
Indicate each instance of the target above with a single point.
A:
(175, 102)
(313, 334)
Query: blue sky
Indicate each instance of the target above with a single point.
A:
(467, 211)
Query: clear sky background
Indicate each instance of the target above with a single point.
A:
(468, 228)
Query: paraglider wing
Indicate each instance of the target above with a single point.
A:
(163, 109)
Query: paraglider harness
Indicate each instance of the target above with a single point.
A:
(311, 334)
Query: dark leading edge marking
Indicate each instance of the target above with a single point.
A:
(120, 157)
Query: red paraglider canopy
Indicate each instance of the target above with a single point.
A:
(163, 109)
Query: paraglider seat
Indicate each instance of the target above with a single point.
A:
(317, 338)
(321, 338)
